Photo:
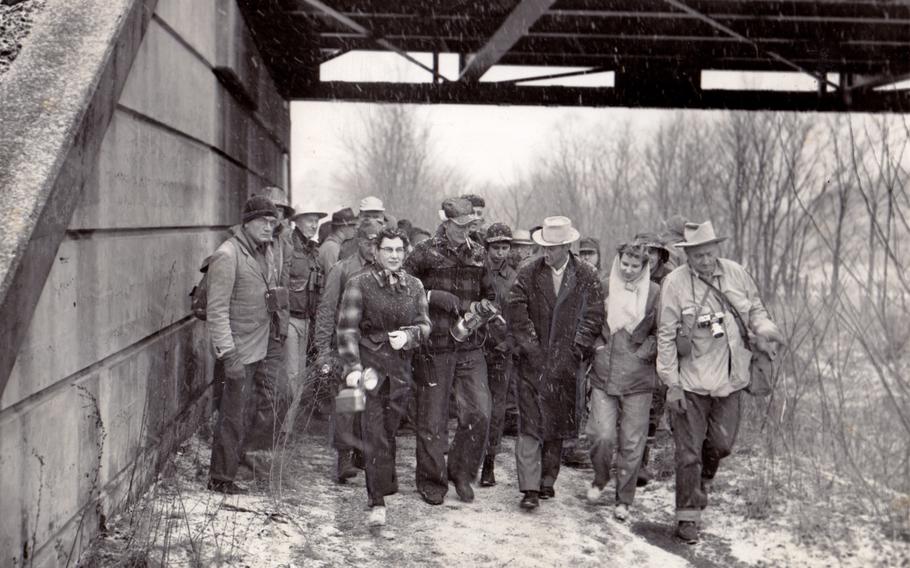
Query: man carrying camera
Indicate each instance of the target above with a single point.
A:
(451, 268)
(246, 318)
(704, 361)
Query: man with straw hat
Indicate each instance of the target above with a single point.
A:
(705, 363)
(555, 311)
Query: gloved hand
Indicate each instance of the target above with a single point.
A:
(446, 301)
(676, 399)
(398, 339)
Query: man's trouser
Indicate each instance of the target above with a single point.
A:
(273, 397)
(537, 462)
(379, 424)
(704, 435)
(237, 411)
(630, 414)
(437, 374)
(571, 445)
(499, 375)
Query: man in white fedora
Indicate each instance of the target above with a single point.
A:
(703, 360)
(555, 311)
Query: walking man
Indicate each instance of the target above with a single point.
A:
(451, 268)
(703, 360)
(555, 312)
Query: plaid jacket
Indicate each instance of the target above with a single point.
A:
(459, 271)
(370, 308)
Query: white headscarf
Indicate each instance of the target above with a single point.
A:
(626, 301)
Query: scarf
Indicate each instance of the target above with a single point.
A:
(626, 300)
(391, 278)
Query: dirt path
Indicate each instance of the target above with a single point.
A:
(314, 522)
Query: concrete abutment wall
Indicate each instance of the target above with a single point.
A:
(104, 381)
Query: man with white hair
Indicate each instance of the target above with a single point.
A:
(704, 360)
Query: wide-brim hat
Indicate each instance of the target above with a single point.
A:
(521, 237)
(344, 217)
(319, 214)
(699, 234)
(555, 231)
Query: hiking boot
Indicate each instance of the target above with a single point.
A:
(433, 497)
(530, 500)
(377, 516)
(687, 531)
(621, 512)
(547, 492)
(487, 478)
(226, 487)
(344, 466)
(464, 490)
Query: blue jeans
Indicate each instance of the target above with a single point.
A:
(435, 376)
(630, 414)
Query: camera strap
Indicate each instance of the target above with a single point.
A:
(743, 330)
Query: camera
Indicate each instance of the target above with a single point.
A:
(277, 299)
(714, 321)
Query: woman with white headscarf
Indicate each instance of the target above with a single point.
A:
(624, 376)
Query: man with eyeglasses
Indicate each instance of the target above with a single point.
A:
(246, 294)
(451, 268)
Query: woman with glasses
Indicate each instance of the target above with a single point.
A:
(382, 318)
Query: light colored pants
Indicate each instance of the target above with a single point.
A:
(623, 419)
(537, 462)
(295, 352)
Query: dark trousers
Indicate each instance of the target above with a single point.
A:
(379, 422)
(273, 398)
(704, 435)
(499, 375)
(237, 412)
(537, 462)
(436, 375)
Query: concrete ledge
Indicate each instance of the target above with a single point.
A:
(55, 105)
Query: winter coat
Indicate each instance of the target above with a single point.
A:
(327, 311)
(624, 363)
(306, 277)
(236, 313)
(502, 279)
(550, 331)
(329, 252)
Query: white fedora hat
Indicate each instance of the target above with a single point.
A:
(699, 234)
(555, 231)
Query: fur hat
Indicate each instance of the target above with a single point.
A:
(258, 206)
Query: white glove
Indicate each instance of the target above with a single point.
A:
(398, 339)
(353, 378)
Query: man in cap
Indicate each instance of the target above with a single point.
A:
(246, 292)
(497, 348)
(344, 431)
(522, 246)
(703, 391)
(451, 267)
(305, 286)
(555, 312)
(344, 227)
(372, 208)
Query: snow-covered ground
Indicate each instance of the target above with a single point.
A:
(310, 521)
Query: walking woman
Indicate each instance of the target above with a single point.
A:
(382, 318)
(624, 376)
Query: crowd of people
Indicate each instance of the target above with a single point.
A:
(408, 325)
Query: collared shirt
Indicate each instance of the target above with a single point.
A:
(717, 366)
(558, 273)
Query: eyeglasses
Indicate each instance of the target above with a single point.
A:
(390, 250)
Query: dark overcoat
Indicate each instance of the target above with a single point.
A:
(551, 331)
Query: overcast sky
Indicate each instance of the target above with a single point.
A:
(493, 143)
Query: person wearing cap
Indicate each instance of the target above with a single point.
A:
(451, 268)
(555, 312)
(382, 319)
(370, 208)
(624, 376)
(497, 348)
(522, 246)
(673, 234)
(659, 255)
(345, 439)
(344, 227)
(305, 285)
(703, 360)
(246, 275)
